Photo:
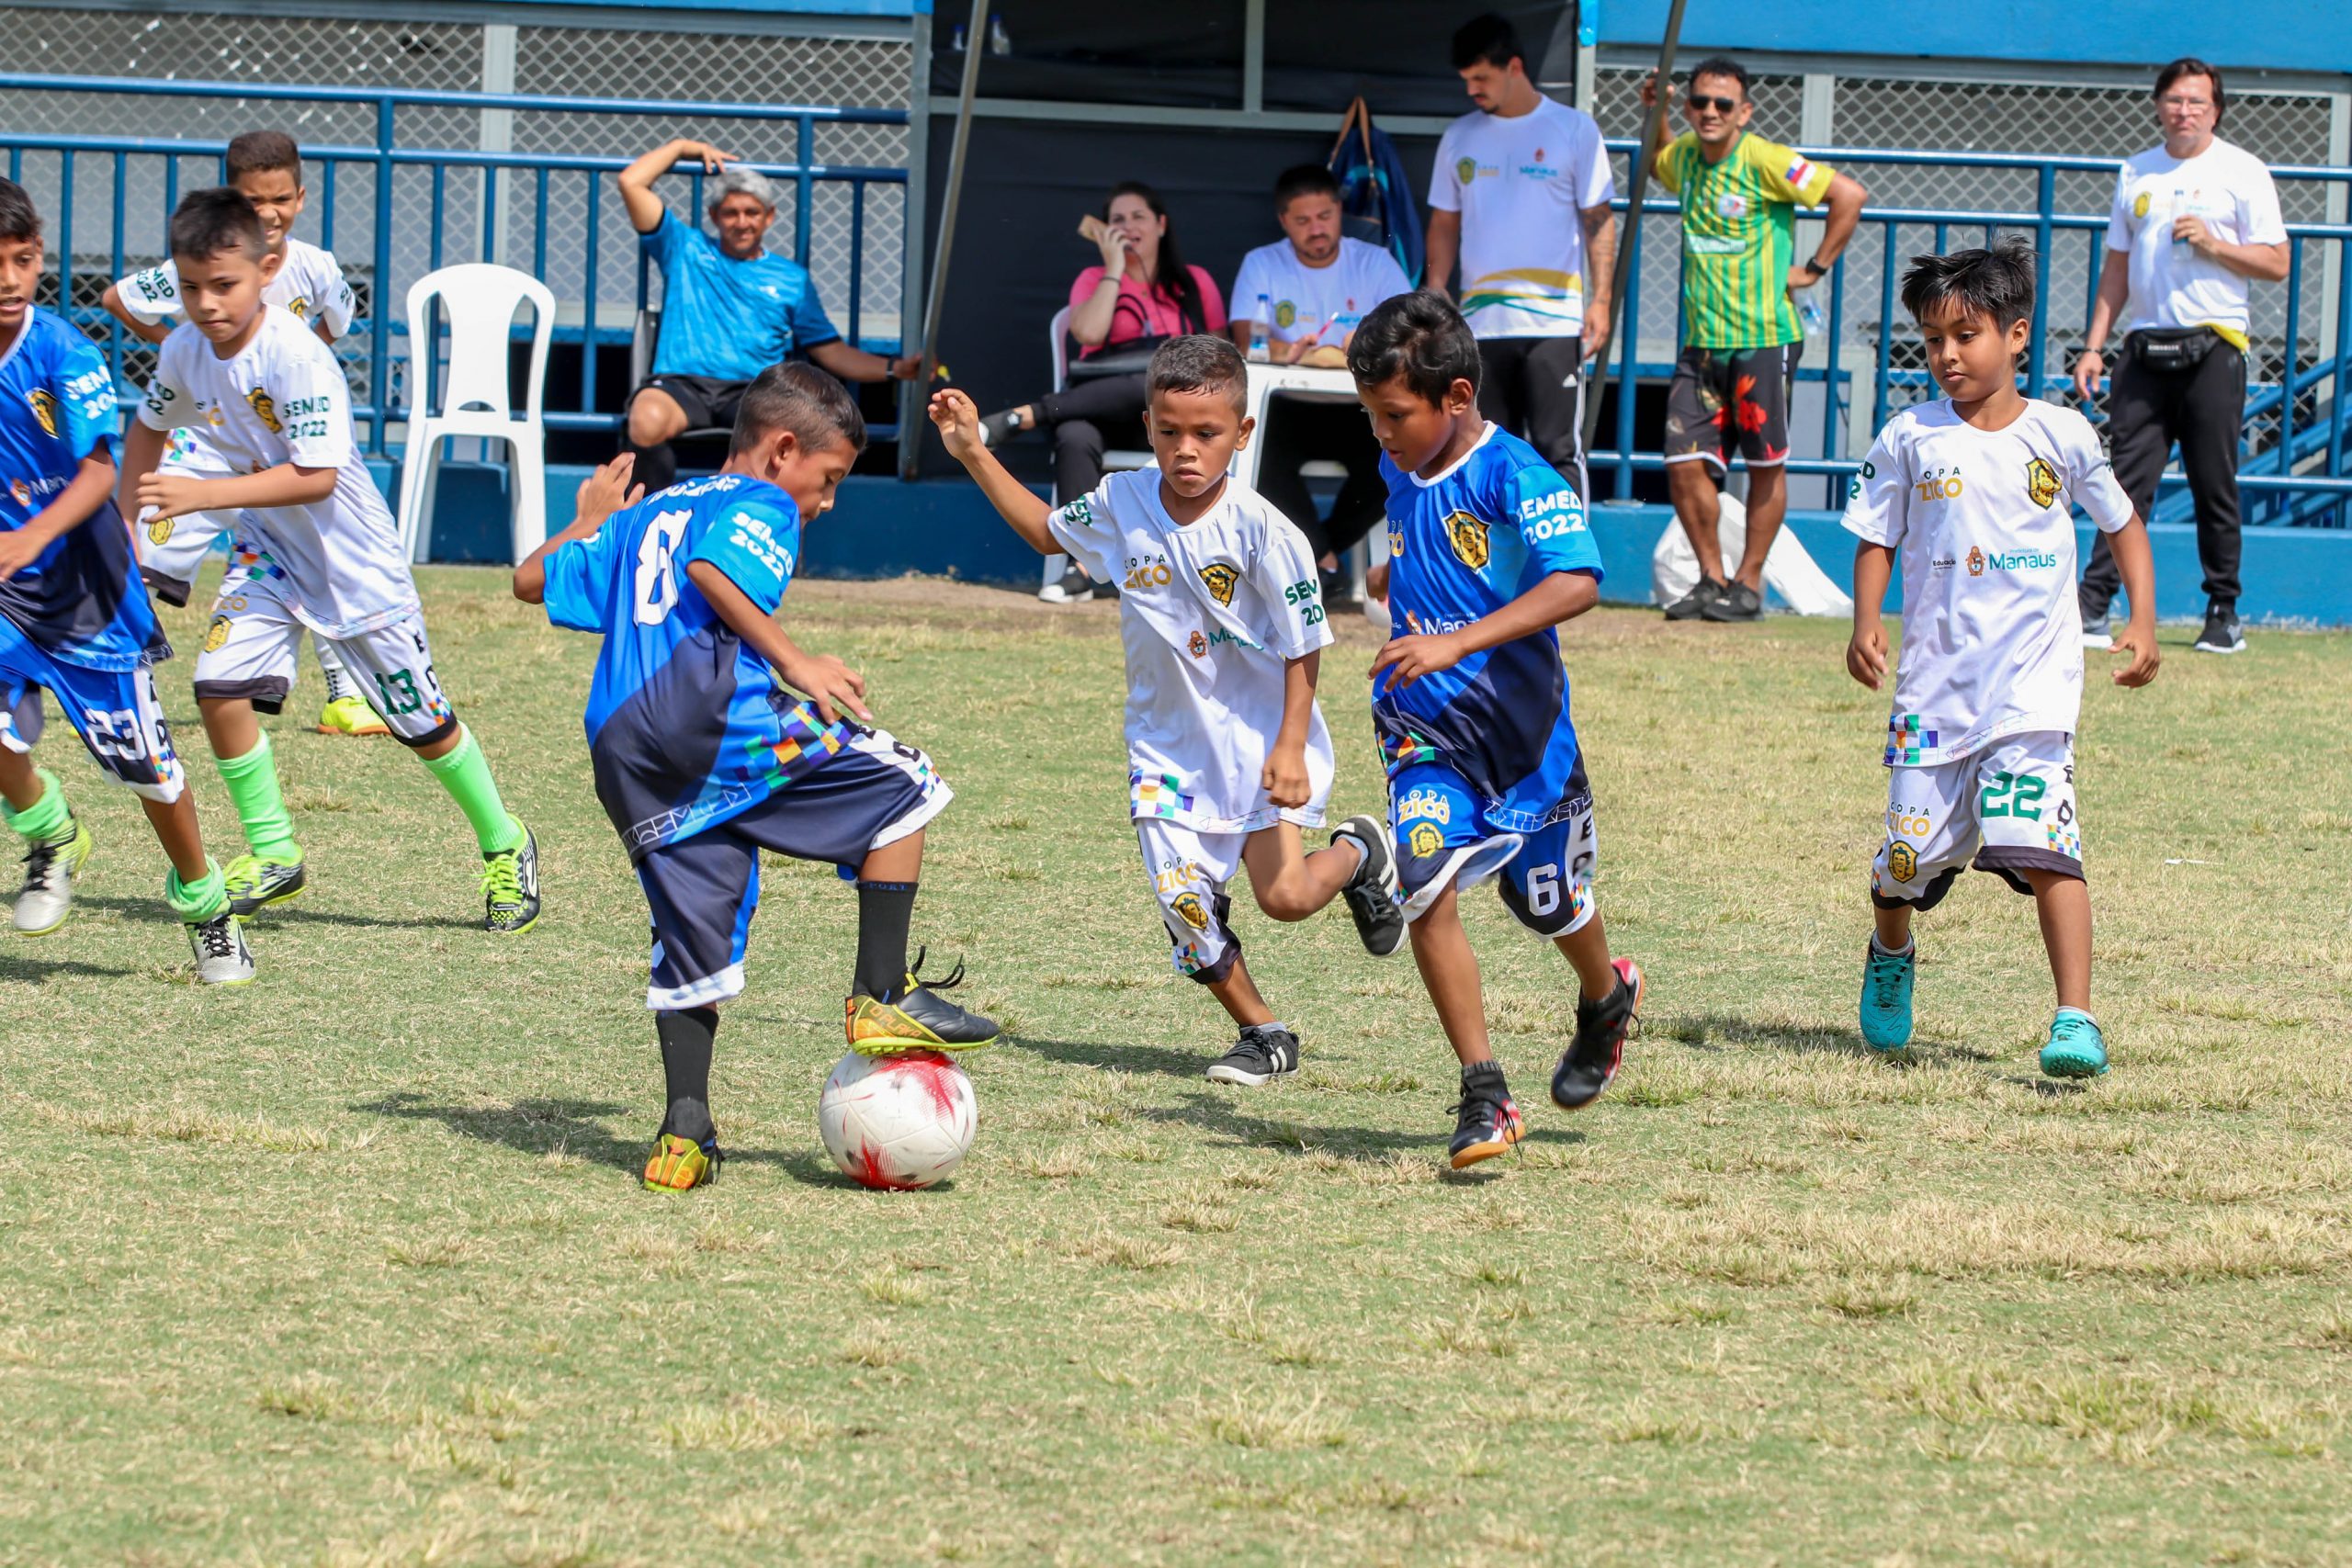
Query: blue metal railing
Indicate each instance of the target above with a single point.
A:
(2298, 477)
(383, 326)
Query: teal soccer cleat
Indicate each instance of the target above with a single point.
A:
(1887, 997)
(2077, 1048)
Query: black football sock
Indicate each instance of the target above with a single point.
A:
(686, 1042)
(885, 910)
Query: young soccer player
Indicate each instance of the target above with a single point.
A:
(1489, 551)
(316, 550)
(74, 619)
(703, 759)
(1224, 630)
(1976, 492)
(266, 168)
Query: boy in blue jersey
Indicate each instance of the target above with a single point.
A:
(1489, 551)
(703, 759)
(74, 619)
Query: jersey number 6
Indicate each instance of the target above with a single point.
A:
(657, 586)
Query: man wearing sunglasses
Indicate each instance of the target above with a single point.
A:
(1730, 392)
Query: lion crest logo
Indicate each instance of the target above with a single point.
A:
(1221, 580)
(1190, 911)
(216, 634)
(159, 530)
(300, 307)
(2041, 482)
(264, 408)
(1903, 861)
(1425, 839)
(1467, 535)
(44, 410)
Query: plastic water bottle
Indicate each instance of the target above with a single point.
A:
(1809, 311)
(1261, 331)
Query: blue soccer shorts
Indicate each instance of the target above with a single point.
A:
(1445, 838)
(114, 711)
(702, 890)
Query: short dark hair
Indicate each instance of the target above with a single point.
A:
(214, 220)
(1997, 282)
(2189, 66)
(1198, 362)
(1487, 39)
(1723, 65)
(1420, 336)
(1304, 179)
(19, 219)
(259, 152)
(796, 396)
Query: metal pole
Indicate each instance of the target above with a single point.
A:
(974, 44)
(1639, 193)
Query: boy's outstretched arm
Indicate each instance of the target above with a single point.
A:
(92, 483)
(2137, 562)
(600, 495)
(1284, 776)
(1866, 649)
(959, 431)
(1560, 596)
(832, 685)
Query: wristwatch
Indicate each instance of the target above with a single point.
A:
(1814, 268)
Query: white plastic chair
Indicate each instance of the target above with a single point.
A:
(1057, 338)
(479, 301)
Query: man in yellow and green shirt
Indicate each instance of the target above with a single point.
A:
(1742, 336)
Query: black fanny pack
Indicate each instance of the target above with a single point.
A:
(2171, 348)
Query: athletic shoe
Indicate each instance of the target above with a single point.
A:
(1592, 1059)
(2221, 633)
(50, 867)
(510, 887)
(351, 716)
(922, 1020)
(1265, 1052)
(1372, 894)
(1075, 587)
(1486, 1121)
(995, 428)
(2098, 632)
(2077, 1048)
(221, 956)
(254, 883)
(1887, 997)
(1738, 602)
(1694, 604)
(681, 1165)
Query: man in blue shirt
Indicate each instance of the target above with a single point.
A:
(728, 309)
(702, 756)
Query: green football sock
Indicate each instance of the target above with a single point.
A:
(48, 818)
(465, 773)
(253, 787)
(197, 901)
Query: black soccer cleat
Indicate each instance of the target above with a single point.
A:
(919, 1019)
(1372, 893)
(1265, 1052)
(1590, 1063)
(1485, 1121)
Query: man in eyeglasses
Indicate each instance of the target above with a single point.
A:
(1742, 334)
(2193, 220)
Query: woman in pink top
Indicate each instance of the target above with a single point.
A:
(1141, 295)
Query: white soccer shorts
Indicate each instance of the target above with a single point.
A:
(171, 550)
(2011, 807)
(250, 643)
(1189, 871)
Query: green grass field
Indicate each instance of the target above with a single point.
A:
(352, 1266)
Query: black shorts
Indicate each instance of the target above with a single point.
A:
(707, 402)
(1727, 400)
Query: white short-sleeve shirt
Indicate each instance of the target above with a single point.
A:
(1321, 303)
(2172, 286)
(1982, 524)
(1210, 614)
(1521, 185)
(309, 283)
(282, 400)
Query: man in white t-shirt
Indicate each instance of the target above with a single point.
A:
(1521, 197)
(1304, 294)
(2193, 220)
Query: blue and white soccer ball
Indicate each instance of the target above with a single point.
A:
(899, 1122)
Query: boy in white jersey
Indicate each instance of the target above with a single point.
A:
(316, 550)
(1976, 492)
(266, 168)
(1224, 630)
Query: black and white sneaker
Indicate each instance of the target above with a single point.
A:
(221, 956)
(1734, 602)
(1265, 1052)
(1075, 587)
(2099, 631)
(1694, 604)
(1372, 894)
(2221, 633)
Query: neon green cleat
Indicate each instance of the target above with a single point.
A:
(50, 867)
(351, 716)
(253, 884)
(681, 1165)
(510, 887)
